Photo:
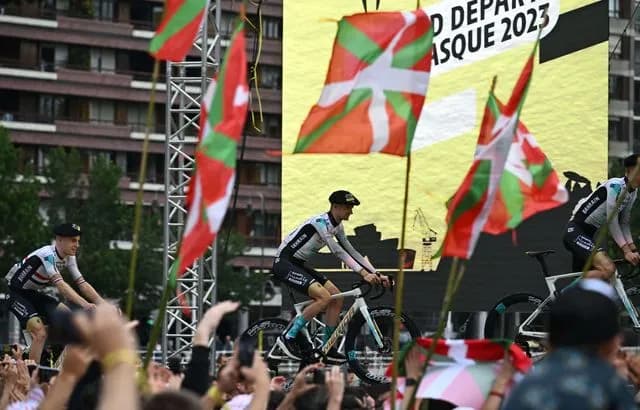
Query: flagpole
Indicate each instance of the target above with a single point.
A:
(453, 283)
(157, 325)
(400, 289)
(455, 277)
(141, 178)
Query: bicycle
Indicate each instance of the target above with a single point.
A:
(504, 319)
(367, 342)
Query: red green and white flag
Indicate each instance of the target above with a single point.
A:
(529, 184)
(466, 379)
(467, 351)
(222, 116)
(375, 86)
(471, 205)
(178, 29)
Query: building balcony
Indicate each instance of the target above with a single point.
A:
(620, 108)
(68, 79)
(39, 129)
(57, 27)
(617, 26)
(621, 67)
(65, 79)
(619, 149)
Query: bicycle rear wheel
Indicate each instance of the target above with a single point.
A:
(504, 320)
(365, 358)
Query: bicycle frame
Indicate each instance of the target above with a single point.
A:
(358, 305)
(553, 291)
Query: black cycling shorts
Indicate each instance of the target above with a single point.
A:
(580, 241)
(296, 275)
(26, 304)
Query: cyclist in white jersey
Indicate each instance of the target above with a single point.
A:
(40, 269)
(290, 267)
(592, 212)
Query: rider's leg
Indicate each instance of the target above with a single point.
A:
(321, 298)
(604, 267)
(38, 335)
(333, 311)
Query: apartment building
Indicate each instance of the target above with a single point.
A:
(624, 79)
(75, 73)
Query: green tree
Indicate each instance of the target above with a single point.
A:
(236, 283)
(22, 228)
(64, 184)
(94, 203)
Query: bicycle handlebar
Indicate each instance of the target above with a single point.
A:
(368, 287)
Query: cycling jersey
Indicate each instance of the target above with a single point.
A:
(593, 211)
(316, 232)
(41, 268)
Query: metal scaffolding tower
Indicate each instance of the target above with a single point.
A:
(186, 83)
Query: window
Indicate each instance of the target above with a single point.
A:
(47, 57)
(272, 28)
(614, 8)
(103, 9)
(616, 87)
(227, 21)
(270, 77)
(618, 129)
(259, 173)
(10, 49)
(272, 126)
(265, 226)
(270, 174)
(102, 111)
(133, 165)
(51, 107)
(79, 58)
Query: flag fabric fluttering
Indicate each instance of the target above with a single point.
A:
(469, 350)
(222, 116)
(465, 374)
(375, 86)
(178, 29)
(529, 185)
(471, 205)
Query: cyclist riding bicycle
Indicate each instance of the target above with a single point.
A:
(592, 212)
(40, 269)
(290, 267)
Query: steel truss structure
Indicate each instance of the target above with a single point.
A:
(186, 84)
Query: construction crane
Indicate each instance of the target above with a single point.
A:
(429, 237)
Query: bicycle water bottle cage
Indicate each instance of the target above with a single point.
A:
(539, 256)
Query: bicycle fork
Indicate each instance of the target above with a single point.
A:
(622, 294)
(373, 326)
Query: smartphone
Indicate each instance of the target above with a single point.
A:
(46, 373)
(245, 352)
(32, 368)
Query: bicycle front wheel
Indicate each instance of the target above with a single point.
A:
(264, 334)
(366, 359)
(505, 318)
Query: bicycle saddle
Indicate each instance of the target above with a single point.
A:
(533, 254)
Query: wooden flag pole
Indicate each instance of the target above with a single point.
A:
(455, 276)
(453, 283)
(141, 178)
(157, 325)
(400, 287)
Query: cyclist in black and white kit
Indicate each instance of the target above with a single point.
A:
(40, 269)
(290, 267)
(592, 212)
